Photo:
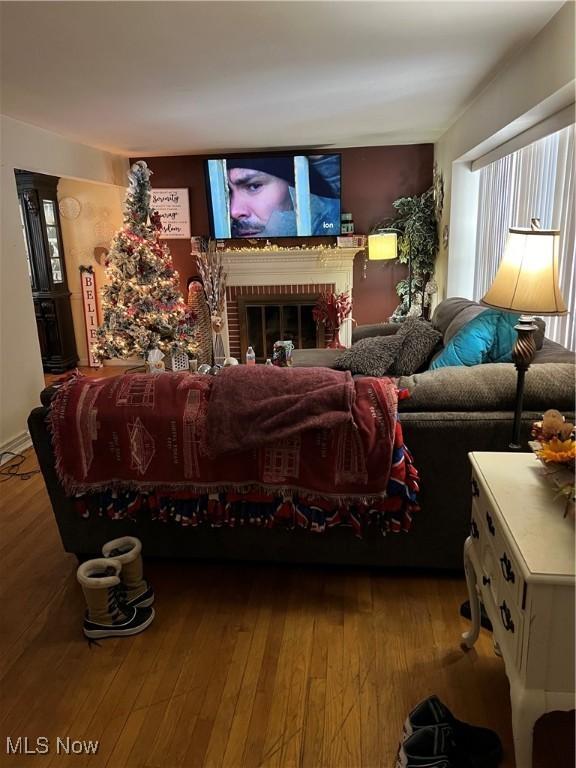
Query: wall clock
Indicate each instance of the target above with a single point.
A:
(69, 207)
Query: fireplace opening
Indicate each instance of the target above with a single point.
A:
(279, 317)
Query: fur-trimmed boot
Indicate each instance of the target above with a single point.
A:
(128, 550)
(106, 616)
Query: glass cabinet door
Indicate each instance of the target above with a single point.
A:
(53, 246)
(26, 247)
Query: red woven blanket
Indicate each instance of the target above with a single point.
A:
(144, 431)
(251, 406)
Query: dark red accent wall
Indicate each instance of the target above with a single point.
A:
(372, 178)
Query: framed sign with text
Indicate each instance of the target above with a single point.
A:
(88, 282)
(174, 209)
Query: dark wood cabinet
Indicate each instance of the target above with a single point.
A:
(40, 221)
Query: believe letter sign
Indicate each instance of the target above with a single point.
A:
(88, 282)
(174, 210)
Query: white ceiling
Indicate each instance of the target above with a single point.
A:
(156, 78)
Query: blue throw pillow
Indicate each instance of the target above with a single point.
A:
(488, 338)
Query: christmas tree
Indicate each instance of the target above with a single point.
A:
(142, 305)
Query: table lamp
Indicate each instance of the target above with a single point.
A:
(527, 282)
(382, 246)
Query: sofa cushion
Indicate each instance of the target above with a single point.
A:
(447, 310)
(488, 338)
(419, 340)
(371, 357)
(551, 352)
(461, 319)
(490, 387)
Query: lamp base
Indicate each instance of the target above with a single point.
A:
(524, 349)
(523, 353)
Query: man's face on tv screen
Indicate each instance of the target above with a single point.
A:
(254, 197)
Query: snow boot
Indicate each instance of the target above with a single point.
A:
(481, 746)
(106, 616)
(128, 551)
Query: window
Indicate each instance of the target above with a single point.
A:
(537, 181)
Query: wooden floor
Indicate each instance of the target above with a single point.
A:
(245, 665)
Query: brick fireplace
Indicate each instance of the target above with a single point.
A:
(273, 300)
(286, 278)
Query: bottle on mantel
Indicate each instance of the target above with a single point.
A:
(250, 356)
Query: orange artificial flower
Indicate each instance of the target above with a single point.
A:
(558, 451)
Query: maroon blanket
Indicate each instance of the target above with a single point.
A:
(144, 431)
(251, 406)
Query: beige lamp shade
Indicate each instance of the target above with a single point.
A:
(382, 246)
(527, 278)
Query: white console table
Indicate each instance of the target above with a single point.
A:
(519, 560)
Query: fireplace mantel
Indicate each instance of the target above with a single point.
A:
(310, 259)
(289, 267)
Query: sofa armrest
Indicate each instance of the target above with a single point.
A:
(315, 358)
(378, 329)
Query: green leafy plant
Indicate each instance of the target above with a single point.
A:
(418, 237)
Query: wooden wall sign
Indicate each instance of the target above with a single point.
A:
(174, 209)
(88, 282)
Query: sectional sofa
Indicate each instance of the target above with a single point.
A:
(451, 411)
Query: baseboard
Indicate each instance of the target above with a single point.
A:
(18, 444)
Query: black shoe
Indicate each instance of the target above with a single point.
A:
(481, 747)
(428, 747)
(130, 622)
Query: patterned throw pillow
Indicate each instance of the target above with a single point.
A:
(372, 357)
(419, 340)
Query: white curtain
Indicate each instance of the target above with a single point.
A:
(537, 181)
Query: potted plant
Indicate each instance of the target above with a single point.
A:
(417, 228)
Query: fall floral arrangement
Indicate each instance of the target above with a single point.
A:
(331, 310)
(555, 446)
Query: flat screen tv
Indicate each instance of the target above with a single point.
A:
(274, 196)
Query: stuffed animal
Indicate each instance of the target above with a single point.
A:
(555, 425)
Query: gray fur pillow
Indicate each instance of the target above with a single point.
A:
(372, 357)
(419, 339)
